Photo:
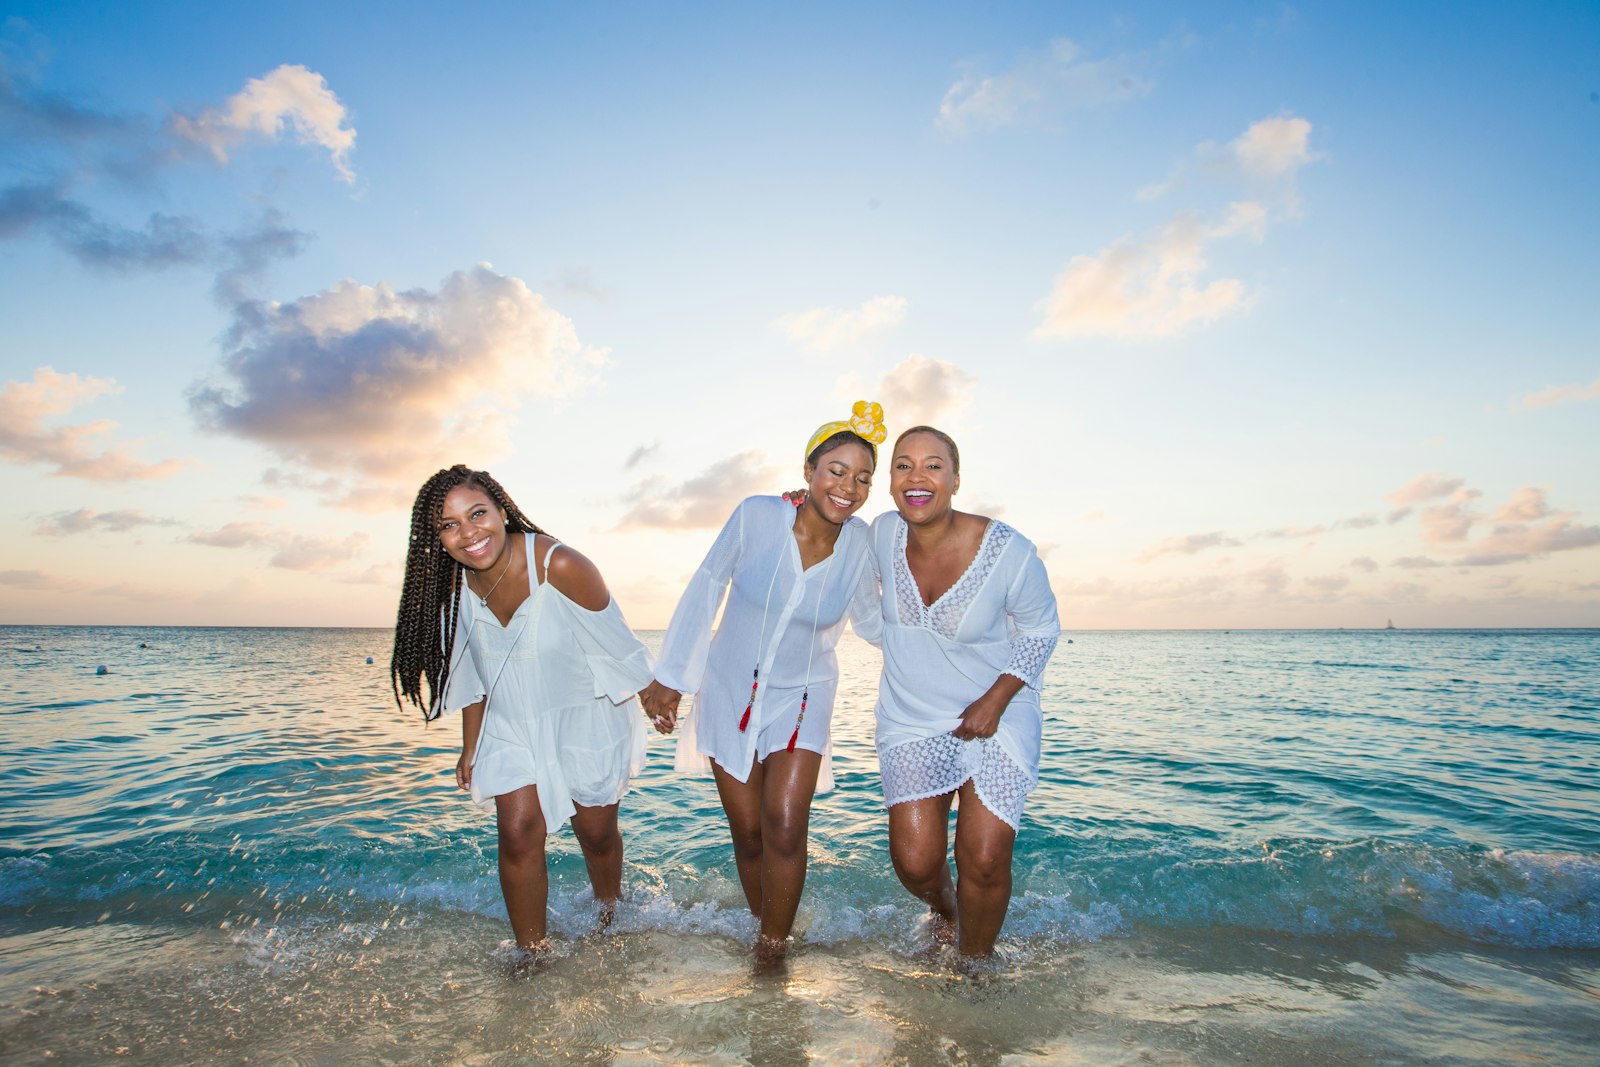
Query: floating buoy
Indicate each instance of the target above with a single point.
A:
(369, 659)
(143, 645)
(102, 669)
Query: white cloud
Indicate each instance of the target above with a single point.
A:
(71, 450)
(290, 96)
(1267, 155)
(918, 390)
(1150, 289)
(378, 382)
(1274, 147)
(828, 329)
(705, 500)
(1040, 86)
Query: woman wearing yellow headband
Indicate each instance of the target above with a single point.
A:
(765, 683)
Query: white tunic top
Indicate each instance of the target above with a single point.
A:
(779, 616)
(560, 680)
(998, 618)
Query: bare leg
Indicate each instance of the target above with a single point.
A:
(983, 873)
(789, 781)
(742, 803)
(919, 842)
(524, 879)
(601, 841)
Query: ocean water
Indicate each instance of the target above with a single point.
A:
(1248, 847)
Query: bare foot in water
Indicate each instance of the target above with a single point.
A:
(608, 912)
(940, 931)
(771, 955)
(528, 960)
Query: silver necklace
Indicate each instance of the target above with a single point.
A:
(484, 599)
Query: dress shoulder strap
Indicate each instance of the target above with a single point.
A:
(554, 544)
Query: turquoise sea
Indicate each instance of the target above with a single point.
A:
(1268, 847)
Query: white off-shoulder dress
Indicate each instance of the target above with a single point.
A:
(998, 618)
(560, 681)
(780, 616)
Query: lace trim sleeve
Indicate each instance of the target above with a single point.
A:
(1029, 655)
(1035, 623)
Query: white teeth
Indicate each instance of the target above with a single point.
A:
(918, 493)
(839, 501)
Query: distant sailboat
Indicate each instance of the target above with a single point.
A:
(1391, 625)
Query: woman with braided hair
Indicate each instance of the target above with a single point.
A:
(519, 633)
(766, 681)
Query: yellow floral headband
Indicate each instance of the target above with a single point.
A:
(866, 422)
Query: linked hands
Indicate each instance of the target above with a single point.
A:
(660, 706)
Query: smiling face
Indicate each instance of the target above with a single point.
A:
(838, 485)
(922, 477)
(472, 528)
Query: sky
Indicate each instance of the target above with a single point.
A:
(1248, 315)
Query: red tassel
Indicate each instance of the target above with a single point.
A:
(793, 738)
(746, 720)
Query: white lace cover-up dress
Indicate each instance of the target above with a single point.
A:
(560, 681)
(787, 618)
(998, 618)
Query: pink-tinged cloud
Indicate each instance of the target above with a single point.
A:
(288, 97)
(84, 519)
(922, 391)
(1559, 394)
(1450, 523)
(317, 554)
(1297, 531)
(829, 329)
(1515, 543)
(1151, 289)
(32, 581)
(291, 551)
(705, 500)
(1423, 487)
(379, 383)
(1188, 545)
(236, 535)
(74, 451)
(1526, 505)
(1294, 532)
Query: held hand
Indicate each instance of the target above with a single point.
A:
(660, 705)
(464, 771)
(982, 717)
(796, 496)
